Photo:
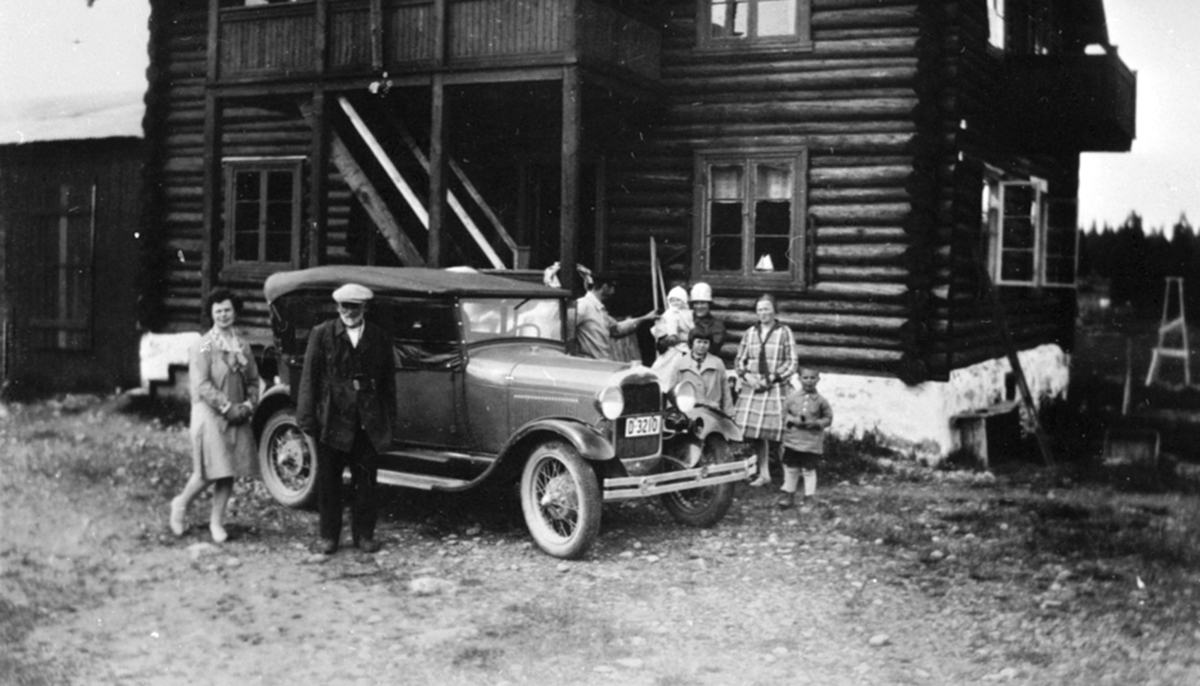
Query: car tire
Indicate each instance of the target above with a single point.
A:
(560, 498)
(287, 461)
(704, 507)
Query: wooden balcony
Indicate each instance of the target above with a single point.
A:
(364, 37)
(1077, 102)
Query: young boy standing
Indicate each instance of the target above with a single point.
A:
(806, 416)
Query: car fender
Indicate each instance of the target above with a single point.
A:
(706, 420)
(274, 398)
(591, 444)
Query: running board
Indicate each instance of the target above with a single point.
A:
(442, 456)
(423, 482)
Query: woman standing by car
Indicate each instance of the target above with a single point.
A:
(223, 380)
(765, 362)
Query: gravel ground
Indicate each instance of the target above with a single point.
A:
(900, 577)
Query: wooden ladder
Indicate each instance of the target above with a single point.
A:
(1170, 326)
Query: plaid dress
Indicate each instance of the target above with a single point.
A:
(773, 355)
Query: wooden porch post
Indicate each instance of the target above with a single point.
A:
(318, 182)
(437, 173)
(572, 125)
(211, 211)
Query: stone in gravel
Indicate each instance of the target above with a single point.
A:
(199, 550)
(631, 662)
(652, 558)
(316, 559)
(427, 585)
(232, 562)
(563, 567)
(626, 555)
(922, 674)
(879, 640)
(604, 669)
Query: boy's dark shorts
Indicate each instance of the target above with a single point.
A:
(800, 459)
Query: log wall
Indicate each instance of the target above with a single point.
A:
(893, 180)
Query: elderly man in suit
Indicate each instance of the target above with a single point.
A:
(347, 403)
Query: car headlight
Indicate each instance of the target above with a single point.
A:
(611, 402)
(685, 396)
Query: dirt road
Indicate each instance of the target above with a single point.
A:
(94, 590)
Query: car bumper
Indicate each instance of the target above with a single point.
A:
(624, 488)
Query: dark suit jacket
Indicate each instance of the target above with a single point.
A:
(330, 407)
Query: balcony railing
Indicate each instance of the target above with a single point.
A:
(1079, 102)
(281, 40)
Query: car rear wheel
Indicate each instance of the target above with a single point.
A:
(560, 498)
(703, 507)
(287, 460)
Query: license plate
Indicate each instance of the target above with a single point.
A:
(642, 426)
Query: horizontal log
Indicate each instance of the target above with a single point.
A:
(843, 196)
(713, 134)
(859, 175)
(864, 254)
(881, 213)
(878, 77)
(688, 68)
(860, 274)
(812, 322)
(893, 108)
(886, 16)
(860, 234)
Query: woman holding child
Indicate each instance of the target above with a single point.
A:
(765, 363)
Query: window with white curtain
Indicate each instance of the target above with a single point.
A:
(750, 223)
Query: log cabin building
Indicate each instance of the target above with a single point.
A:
(873, 163)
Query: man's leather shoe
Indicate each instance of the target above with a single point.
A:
(368, 545)
(325, 546)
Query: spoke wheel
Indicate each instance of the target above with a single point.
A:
(287, 460)
(703, 507)
(560, 498)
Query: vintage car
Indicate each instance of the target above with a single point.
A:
(486, 392)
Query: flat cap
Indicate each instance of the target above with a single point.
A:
(353, 293)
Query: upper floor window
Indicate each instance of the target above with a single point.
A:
(750, 216)
(1027, 27)
(262, 216)
(60, 313)
(754, 23)
(1032, 238)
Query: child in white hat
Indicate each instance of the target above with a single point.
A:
(672, 328)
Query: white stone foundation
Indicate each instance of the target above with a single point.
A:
(916, 419)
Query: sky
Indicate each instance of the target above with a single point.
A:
(50, 47)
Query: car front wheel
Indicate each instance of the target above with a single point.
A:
(703, 507)
(287, 460)
(560, 498)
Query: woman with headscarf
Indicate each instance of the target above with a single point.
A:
(765, 363)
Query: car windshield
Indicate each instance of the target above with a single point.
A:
(487, 319)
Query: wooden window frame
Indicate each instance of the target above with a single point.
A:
(58, 331)
(996, 187)
(261, 267)
(801, 40)
(796, 276)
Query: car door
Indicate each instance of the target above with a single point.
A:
(429, 373)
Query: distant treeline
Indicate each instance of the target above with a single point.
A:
(1135, 263)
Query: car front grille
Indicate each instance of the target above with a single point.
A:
(640, 399)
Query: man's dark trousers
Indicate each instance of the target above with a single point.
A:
(361, 459)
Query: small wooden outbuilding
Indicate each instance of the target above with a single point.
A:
(70, 213)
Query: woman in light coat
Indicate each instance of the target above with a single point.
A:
(223, 380)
